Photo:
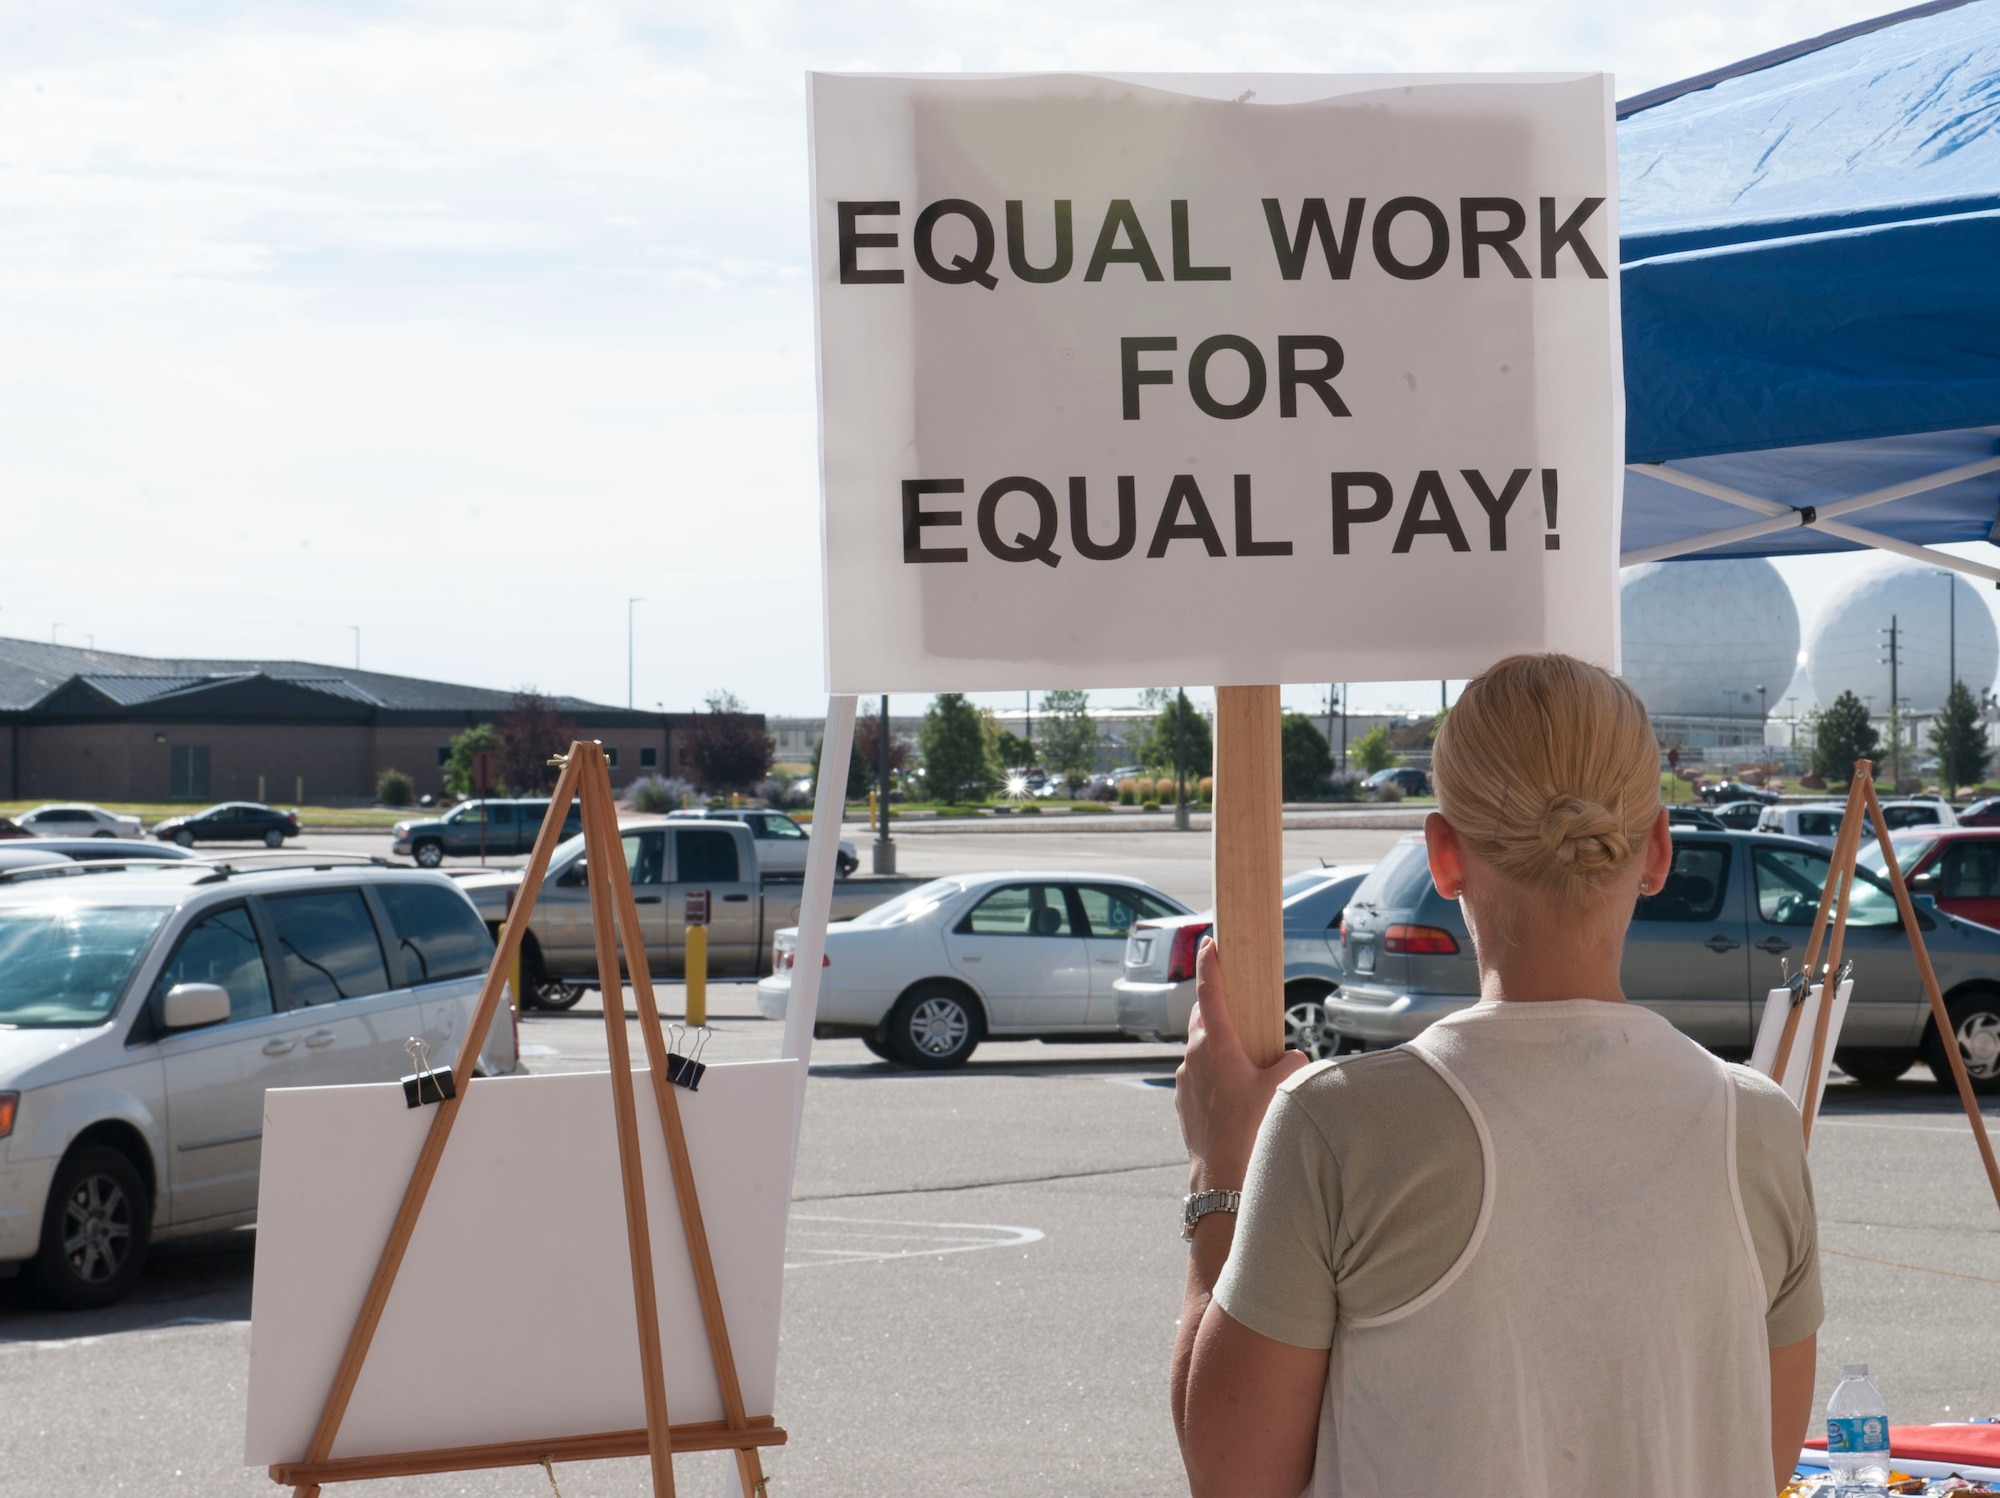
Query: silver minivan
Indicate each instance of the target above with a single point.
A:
(144, 1012)
(1703, 952)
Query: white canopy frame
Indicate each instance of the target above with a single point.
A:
(1825, 518)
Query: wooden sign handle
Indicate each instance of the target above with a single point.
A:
(1250, 865)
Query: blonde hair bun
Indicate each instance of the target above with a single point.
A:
(1548, 767)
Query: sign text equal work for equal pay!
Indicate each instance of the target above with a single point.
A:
(1360, 337)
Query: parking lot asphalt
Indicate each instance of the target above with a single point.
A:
(983, 1268)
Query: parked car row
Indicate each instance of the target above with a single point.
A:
(231, 821)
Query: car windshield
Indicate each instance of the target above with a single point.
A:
(912, 905)
(1399, 881)
(1304, 880)
(64, 966)
(1908, 851)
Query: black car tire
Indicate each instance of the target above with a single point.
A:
(936, 1026)
(94, 1232)
(846, 866)
(555, 993)
(1975, 1018)
(274, 838)
(102, 833)
(184, 837)
(1307, 1026)
(429, 853)
(880, 1048)
(1874, 1068)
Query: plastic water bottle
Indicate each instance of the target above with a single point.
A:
(1857, 1435)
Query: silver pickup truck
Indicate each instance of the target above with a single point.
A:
(668, 861)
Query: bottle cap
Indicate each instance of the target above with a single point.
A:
(1853, 1370)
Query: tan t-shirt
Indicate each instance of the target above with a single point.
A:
(1366, 1186)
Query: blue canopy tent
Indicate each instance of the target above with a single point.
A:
(1810, 268)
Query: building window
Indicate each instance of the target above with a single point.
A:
(444, 755)
(649, 758)
(611, 755)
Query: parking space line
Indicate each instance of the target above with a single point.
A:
(897, 1238)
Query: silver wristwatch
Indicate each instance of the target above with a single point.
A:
(1199, 1204)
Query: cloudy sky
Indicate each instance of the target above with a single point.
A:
(460, 325)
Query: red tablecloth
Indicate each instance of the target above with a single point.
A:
(1978, 1445)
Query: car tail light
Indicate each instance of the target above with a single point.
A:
(1342, 924)
(1180, 958)
(1420, 941)
(10, 1102)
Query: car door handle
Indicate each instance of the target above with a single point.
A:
(1721, 943)
(645, 899)
(1775, 945)
(320, 1038)
(278, 1047)
(969, 957)
(1109, 961)
(734, 899)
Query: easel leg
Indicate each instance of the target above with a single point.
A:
(602, 850)
(1250, 864)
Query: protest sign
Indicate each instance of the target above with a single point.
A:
(1232, 380)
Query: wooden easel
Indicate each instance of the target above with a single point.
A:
(1863, 804)
(614, 918)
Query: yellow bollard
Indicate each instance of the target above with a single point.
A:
(697, 976)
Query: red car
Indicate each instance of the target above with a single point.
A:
(11, 828)
(1981, 813)
(1959, 867)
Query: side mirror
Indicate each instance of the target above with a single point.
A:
(189, 1006)
(1926, 884)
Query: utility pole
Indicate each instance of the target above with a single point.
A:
(885, 848)
(1763, 733)
(1028, 706)
(1895, 717)
(1180, 760)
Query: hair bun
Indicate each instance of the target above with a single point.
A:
(1584, 835)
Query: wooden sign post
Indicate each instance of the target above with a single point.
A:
(1830, 923)
(1249, 865)
(614, 920)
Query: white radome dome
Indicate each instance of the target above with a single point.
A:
(1849, 649)
(1701, 637)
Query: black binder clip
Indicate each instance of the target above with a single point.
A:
(429, 1084)
(686, 1071)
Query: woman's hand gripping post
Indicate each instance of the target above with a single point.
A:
(1245, 1406)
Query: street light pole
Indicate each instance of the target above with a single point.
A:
(885, 849)
(630, 603)
(357, 645)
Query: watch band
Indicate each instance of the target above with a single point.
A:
(1199, 1204)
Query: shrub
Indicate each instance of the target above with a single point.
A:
(1031, 809)
(1205, 788)
(394, 788)
(1344, 788)
(777, 793)
(1388, 790)
(1149, 805)
(654, 794)
(1127, 791)
(1146, 788)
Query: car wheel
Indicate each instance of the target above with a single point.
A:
(95, 1231)
(184, 837)
(274, 838)
(101, 833)
(935, 1027)
(555, 993)
(847, 865)
(429, 853)
(880, 1048)
(1308, 1027)
(1873, 1068)
(1975, 1018)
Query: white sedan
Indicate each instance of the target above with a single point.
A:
(78, 819)
(925, 977)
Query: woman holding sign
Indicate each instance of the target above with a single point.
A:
(1549, 1247)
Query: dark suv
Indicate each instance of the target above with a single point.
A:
(508, 826)
(231, 822)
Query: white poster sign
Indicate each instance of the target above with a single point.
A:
(1247, 379)
(529, 1192)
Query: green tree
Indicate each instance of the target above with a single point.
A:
(458, 768)
(1158, 750)
(1069, 736)
(1012, 749)
(1958, 739)
(1372, 751)
(957, 754)
(1305, 760)
(1841, 735)
(864, 761)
